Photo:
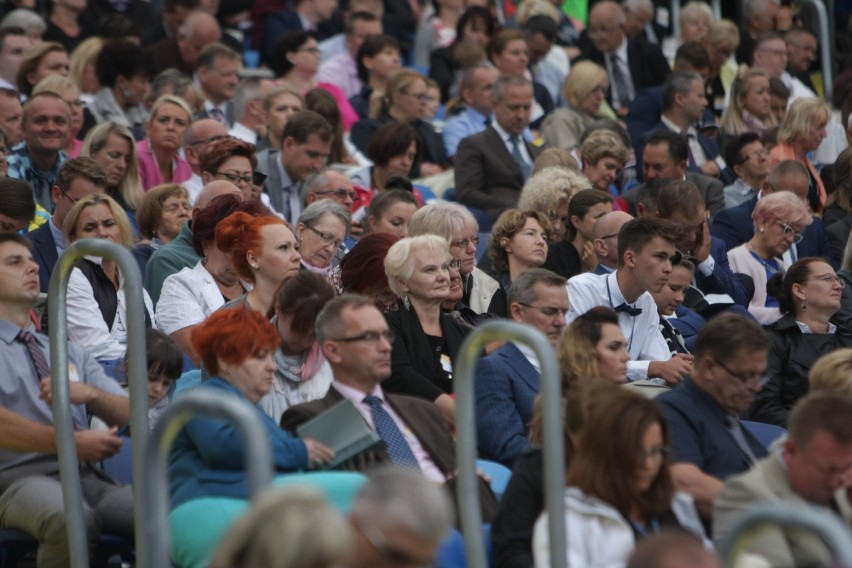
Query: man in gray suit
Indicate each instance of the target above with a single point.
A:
(218, 74)
(492, 166)
(811, 469)
(666, 155)
(306, 144)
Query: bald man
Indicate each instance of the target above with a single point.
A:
(605, 240)
(181, 51)
(631, 64)
(195, 138)
(180, 253)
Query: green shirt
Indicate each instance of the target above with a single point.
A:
(168, 260)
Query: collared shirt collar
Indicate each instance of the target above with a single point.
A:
(58, 236)
(621, 52)
(477, 117)
(674, 127)
(9, 333)
(355, 395)
(804, 328)
(527, 352)
(504, 136)
(614, 291)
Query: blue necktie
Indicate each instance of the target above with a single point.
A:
(398, 449)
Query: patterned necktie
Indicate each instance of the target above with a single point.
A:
(398, 449)
(622, 95)
(36, 354)
(217, 115)
(519, 158)
(736, 432)
(673, 337)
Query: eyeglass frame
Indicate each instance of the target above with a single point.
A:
(236, 178)
(548, 311)
(367, 337)
(788, 228)
(339, 192)
(464, 243)
(760, 381)
(829, 279)
(324, 237)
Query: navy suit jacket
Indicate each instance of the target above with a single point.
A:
(647, 64)
(722, 280)
(688, 323)
(506, 386)
(735, 227)
(646, 110)
(44, 253)
(278, 23)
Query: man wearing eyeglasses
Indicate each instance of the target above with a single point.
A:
(812, 468)
(735, 227)
(332, 184)
(709, 444)
(196, 137)
(78, 178)
(507, 381)
(357, 343)
(605, 240)
(770, 56)
(679, 201)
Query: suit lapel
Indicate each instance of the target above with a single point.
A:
(443, 457)
(519, 363)
(508, 159)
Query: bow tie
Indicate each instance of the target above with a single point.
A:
(629, 310)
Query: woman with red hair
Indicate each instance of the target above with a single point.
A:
(263, 251)
(236, 347)
(362, 270)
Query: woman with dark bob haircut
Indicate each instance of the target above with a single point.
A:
(619, 489)
(229, 159)
(809, 295)
(302, 373)
(236, 347)
(394, 149)
(476, 25)
(377, 59)
(124, 70)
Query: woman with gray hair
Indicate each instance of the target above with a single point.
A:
(321, 230)
(549, 192)
(427, 340)
(779, 219)
(453, 222)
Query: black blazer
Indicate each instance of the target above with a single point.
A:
(413, 363)
(44, 253)
(648, 65)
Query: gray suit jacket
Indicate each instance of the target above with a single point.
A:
(711, 190)
(268, 164)
(767, 482)
(230, 115)
(487, 176)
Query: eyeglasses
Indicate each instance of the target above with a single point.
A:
(311, 50)
(605, 237)
(455, 264)
(371, 337)
(422, 97)
(658, 452)
(325, 237)
(65, 193)
(762, 153)
(236, 178)
(464, 243)
(340, 193)
(393, 555)
(548, 311)
(789, 230)
(76, 103)
(758, 380)
(830, 279)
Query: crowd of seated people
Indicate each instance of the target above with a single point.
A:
(325, 202)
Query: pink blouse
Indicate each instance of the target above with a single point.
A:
(149, 171)
(347, 114)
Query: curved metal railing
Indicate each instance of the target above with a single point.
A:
(466, 449)
(137, 382)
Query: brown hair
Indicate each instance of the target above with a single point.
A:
(150, 212)
(510, 223)
(578, 360)
(608, 454)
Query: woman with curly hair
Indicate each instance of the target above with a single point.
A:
(518, 242)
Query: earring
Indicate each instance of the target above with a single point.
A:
(125, 93)
(406, 302)
(804, 307)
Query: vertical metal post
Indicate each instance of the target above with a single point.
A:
(466, 449)
(155, 486)
(137, 382)
(825, 46)
(833, 532)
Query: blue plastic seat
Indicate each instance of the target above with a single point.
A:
(499, 474)
(766, 434)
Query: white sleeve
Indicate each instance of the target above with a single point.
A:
(178, 306)
(86, 325)
(581, 297)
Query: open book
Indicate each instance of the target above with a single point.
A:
(342, 429)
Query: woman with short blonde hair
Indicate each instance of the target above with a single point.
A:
(584, 89)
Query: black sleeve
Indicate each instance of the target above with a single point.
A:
(523, 500)
(406, 377)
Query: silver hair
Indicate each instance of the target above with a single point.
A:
(402, 258)
(523, 287)
(504, 82)
(444, 219)
(247, 90)
(751, 7)
(316, 210)
(400, 498)
(26, 19)
(634, 6)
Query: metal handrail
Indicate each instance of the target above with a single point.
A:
(825, 45)
(829, 528)
(257, 457)
(466, 449)
(137, 382)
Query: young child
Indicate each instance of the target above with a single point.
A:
(165, 365)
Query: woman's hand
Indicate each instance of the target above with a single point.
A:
(447, 405)
(318, 454)
(590, 257)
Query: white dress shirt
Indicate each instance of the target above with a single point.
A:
(187, 298)
(505, 137)
(243, 132)
(644, 340)
(356, 397)
(87, 328)
(623, 65)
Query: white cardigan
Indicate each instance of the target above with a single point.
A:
(187, 298)
(742, 262)
(598, 536)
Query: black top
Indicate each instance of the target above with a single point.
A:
(522, 503)
(563, 259)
